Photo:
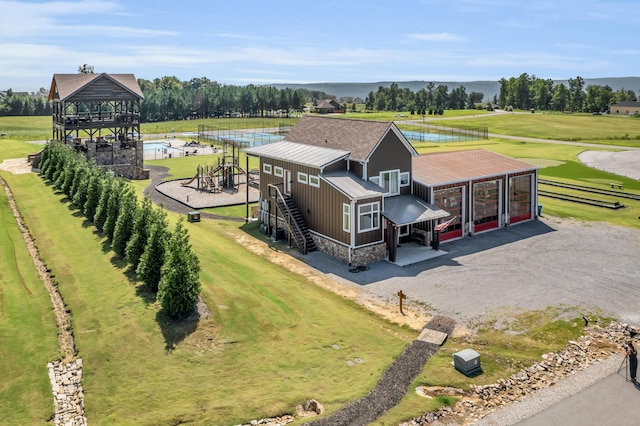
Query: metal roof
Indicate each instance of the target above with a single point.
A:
(308, 155)
(351, 185)
(408, 209)
(442, 168)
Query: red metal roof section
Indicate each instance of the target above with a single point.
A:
(458, 166)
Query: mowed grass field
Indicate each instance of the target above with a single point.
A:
(269, 343)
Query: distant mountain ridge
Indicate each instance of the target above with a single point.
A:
(489, 88)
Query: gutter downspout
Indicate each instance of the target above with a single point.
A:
(352, 225)
(471, 207)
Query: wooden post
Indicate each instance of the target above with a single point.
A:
(402, 296)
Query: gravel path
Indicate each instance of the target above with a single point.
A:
(394, 383)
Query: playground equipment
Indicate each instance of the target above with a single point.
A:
(225, 175)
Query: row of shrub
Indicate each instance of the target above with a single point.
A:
(138, 232)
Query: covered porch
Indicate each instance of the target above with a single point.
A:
(401, 212)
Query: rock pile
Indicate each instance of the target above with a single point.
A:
(272, 421)
(68, 395)
(598, 345)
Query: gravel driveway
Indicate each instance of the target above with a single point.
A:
(592, 266)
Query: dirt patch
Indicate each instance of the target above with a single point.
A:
(412, 318)
(16, 166)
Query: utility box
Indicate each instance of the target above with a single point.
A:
(193, 216)
(467, 361)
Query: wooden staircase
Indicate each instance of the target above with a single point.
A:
(296, 226)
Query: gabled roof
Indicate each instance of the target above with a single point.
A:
(297, 153)
(351, 185)
(69, 84)
(627, 104)
(359, 137)
(326, 104)
(457, 166)
(409, 209)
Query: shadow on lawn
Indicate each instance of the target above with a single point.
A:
(175, 330)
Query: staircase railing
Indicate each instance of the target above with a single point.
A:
(292, 225)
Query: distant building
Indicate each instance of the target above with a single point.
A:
(327, 106)
(625, 108)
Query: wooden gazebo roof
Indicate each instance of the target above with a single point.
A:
(94, 87)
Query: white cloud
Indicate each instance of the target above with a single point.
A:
(440, 37)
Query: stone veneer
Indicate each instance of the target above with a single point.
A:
(359, 256)
(125, 159)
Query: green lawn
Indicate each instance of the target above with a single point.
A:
(27, 330)
(607, 129)
(269, 340)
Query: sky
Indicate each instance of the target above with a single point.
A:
(244, 42)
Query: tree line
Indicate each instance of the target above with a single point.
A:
(429, 100)
(138, 232)
(169, 98)
(531, 92)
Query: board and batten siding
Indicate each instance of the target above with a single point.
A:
(102, 89)
(390, 154)
(368, 237)
(320, 207)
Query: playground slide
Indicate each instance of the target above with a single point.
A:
(194, 178)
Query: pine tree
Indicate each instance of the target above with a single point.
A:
(94, 190)
(179, 287)
(113, 207)
(103, 203)
(150, 266)
(141, 231)
(124, 225)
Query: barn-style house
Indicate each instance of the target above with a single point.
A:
(357, 189)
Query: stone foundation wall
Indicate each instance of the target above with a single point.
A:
(124, 159)
(359, 256)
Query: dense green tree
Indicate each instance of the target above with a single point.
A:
(598, 98)
(576, 94)
(474, 98)
(560, 98)
(106, 186)
(179, 287)
(150, 266)
(124, 224)
(113, 207)
(94, 192)
(140, 233)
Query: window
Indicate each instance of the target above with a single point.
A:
(314, 181)
(369, 217)
(404, 179)
(375, 179)
(278, 171)
(390, 181)
(303, 178)
(346, 218)
(266, 168)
